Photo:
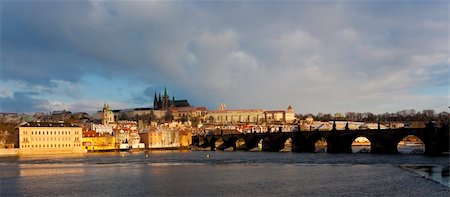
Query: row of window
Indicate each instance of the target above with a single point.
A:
(50, 145)
(48, 139)
(51, 132)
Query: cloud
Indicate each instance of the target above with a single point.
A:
(24, 102)
(328, 57)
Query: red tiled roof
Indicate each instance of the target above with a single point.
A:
(275, 111)
(201, 108)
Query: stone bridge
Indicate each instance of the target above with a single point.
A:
(384, 141)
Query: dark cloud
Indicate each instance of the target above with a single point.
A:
(247, 54)
(24, 102)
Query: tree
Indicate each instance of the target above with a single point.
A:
(211, 119)
(168, 116)
(152, 116)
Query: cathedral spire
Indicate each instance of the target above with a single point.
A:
(165, 91)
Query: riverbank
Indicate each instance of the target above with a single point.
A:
(8, 152)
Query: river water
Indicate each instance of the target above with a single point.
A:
(208, 173)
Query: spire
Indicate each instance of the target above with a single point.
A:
(173, 96)
(155, 102)
(165, 91)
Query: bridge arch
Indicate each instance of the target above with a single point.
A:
(321, 144)
(228, 143)
(288, 144)
(252, 143)
(359, 143)
(240, 144)
(410, 144)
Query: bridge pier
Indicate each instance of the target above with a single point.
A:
(383, 147)
(436, 140)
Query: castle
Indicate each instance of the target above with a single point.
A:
(164, 102)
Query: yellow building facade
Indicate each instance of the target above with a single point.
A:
(235, 116)
(167, 138)
(100, 143)
(49, 138)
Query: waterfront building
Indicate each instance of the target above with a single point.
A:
(93, 142)
(126, 133)
(165, 137)
(49, 138)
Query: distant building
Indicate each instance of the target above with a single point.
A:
(186, 113)
(164, 102)
(49, 138)
(280, 116)
(250, 116)
(61, 115)
(108, 115)
(223, 116)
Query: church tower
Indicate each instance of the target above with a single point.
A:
(108, 115)
(155, 102)
(165, 100)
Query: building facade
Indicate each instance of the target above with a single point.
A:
(250, 116)
(280, 116)
(166, 138)
(186, 113)
(224, 116)
(49, 138)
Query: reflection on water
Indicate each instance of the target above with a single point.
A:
(361, 149)
(411, 149)
(48, 169)
(439, 174)
(174, 173)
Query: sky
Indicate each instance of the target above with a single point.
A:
(324, 56)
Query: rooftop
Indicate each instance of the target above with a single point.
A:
(47, 124)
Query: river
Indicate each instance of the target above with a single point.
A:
(209, 173)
